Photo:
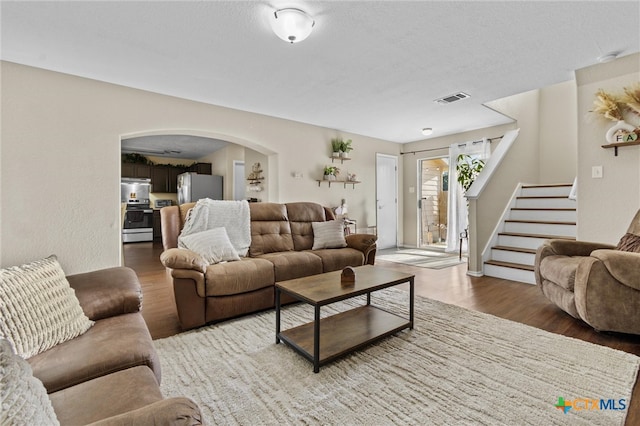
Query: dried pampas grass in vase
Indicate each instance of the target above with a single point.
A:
(607, 106)
(631, 98)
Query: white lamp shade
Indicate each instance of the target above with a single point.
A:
(292, 25)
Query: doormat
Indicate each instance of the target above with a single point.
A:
(422, 258)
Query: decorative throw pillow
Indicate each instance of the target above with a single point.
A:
(629, 242)
(213, 245)
(38, 307)
(23, 398)
(329, 234)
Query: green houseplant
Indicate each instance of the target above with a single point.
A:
(136, 159)
(467, 168)
(330, 172)
(336, 144)
(345, 148)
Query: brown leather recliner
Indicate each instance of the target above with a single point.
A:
(597, 283)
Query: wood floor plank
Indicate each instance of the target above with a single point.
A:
(523, 303)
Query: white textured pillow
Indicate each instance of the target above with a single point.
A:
(213, 245)
(23, 398)
(329, 234)
(38, 308)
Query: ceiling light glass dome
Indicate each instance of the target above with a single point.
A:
(292, 25)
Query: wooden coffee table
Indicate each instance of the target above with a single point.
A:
(323, 340)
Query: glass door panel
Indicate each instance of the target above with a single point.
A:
(434, 187)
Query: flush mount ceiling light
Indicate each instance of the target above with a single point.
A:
(427, 131)
(292, 25)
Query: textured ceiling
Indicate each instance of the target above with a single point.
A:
(372, 68)
(174, 146)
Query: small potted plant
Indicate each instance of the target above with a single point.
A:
(336, 144)
(345, 148)
(330, 172)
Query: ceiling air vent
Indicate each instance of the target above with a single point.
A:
(452, 98)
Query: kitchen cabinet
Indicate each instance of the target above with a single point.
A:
(201, 168)
(133, 170)
(157, 225)
(160, 179)
(128, 170)
(164, 178)
(172, 183)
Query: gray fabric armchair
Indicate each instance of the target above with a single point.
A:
(597, 283)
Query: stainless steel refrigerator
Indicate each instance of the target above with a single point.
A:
(193, 186)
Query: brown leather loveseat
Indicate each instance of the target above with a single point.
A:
(281, 249)
(110, 374)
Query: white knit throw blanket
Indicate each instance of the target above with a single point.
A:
(231, 215)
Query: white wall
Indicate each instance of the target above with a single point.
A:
(605, 206)
(222, 165)
(60, 167)
(558, 133)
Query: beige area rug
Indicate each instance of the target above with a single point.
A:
(456, 367)
(432, 259)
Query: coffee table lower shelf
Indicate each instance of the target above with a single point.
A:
(344, 333)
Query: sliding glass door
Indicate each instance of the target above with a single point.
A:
(434, 187)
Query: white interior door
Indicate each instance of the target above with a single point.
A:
(387, 200)
(239, 181)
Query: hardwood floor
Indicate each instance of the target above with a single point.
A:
(523, 303)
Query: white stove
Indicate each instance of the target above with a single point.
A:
(138, 217)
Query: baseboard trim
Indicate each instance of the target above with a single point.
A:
(475, 273)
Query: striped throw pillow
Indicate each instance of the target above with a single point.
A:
(38, 307)
(329, 234)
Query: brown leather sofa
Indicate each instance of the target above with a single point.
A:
(597, 283)
(281, 249)
(110, 374)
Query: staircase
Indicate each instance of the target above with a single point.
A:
(537, 213)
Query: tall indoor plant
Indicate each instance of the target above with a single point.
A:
(467, 170)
